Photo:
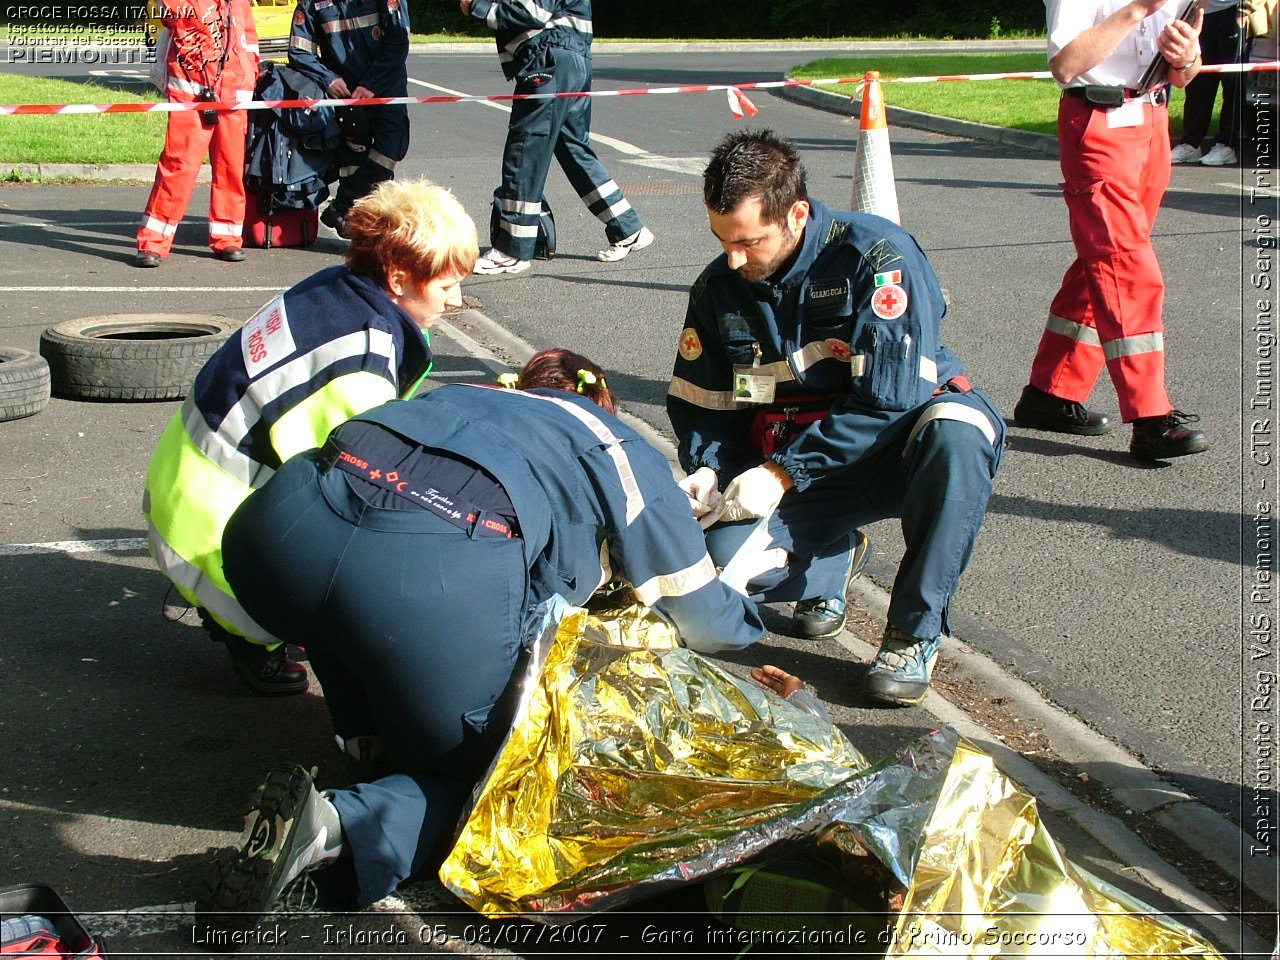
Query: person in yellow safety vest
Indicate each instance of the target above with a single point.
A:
(343, 341)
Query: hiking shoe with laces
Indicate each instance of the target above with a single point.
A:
(1160, 438)
(495, 261)
(901, 670)
(816, 619)
(616, 251)
(290, 828)
(1043, 411)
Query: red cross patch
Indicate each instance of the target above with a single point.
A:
(889, 302)
(839, 349)
(690, 345)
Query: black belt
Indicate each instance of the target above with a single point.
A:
(456, 509)
(1100, 96)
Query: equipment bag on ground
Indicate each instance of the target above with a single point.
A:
(266, 225)
(36, 922)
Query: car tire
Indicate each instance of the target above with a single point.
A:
(131, 356)
(24, 383)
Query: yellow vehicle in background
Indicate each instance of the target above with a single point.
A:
(272, 18)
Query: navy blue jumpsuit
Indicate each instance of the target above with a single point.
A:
(366, 43)
(546, 48)
(853, 327)
(414, 620)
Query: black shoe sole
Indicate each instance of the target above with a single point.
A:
(1057, 426)
(241, 893)
(264, 688)
(893, 693)
(802, 631)
(1147, 454)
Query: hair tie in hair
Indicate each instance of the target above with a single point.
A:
(509, 380)
(587, 379)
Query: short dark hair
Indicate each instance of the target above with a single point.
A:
(751, 164)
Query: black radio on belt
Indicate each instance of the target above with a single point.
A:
(209, 117)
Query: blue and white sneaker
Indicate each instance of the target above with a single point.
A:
(901, 670)
(816, 619)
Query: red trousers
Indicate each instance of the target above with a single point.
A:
(185, 145)
(1109, 308)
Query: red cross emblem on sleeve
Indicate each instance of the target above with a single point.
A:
(690, 345)
(889, 302)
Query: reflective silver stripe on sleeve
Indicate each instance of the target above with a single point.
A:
(1076, 331)
(780, 370)
(302, 46)
(352, 23)
(952, 411)
(1128, 346)
(626, 476)
(491, 18)
(574, 23)
(678, 584)
(222, 445)
(682, 389)
(929, 369)
(381, 160)
(187, 86)
(858, 365)
(812, 353)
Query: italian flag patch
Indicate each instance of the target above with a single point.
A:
(889, 276)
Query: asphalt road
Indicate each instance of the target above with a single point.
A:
(1118, 591)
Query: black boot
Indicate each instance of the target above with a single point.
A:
(1043, 411)
(1161, 438)
(266, 672)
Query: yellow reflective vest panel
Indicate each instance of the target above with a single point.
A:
(324, 351)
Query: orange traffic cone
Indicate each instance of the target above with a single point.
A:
(874, 189)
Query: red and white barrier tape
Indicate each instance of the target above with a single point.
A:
(737, 101)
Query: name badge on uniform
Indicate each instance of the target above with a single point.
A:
(752, 386)
(827, 299)
(1128, 114)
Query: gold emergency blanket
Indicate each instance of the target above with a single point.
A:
(634, 767)
(630, 764)
(989, 880)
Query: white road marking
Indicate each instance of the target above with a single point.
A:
(122, 545)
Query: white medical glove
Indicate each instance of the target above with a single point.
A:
(755, 493)
(703, 490)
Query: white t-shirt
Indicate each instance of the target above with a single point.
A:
(1067, 19)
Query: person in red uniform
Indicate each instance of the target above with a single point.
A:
(1114, 146)
(213, 55)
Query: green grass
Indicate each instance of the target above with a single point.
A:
(1019, 104)
(100, 138)
(137, 138)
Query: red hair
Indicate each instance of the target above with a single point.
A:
(560, 369)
